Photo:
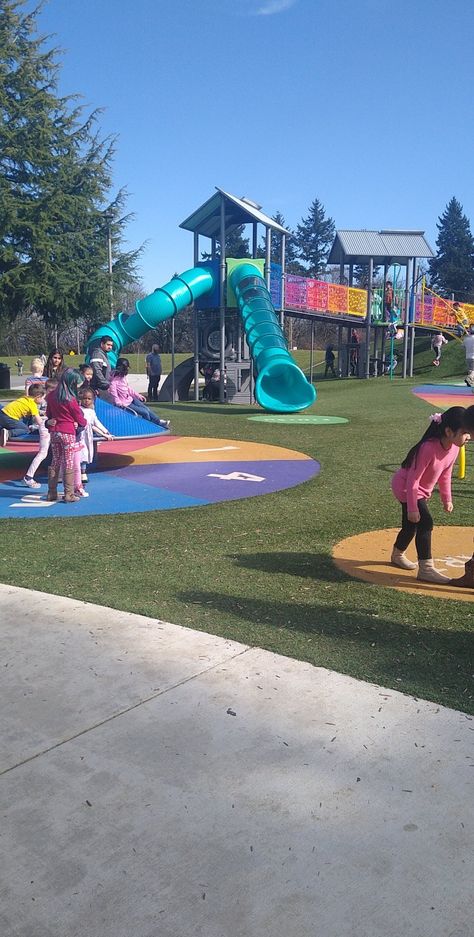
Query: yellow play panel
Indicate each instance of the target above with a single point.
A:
(367, 556)
(199, 449)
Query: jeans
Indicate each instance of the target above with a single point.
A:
(141, 410)
(14, 427)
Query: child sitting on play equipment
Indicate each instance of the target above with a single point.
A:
(437, 343)
(13, 416)
(124, 396)
(428, 463)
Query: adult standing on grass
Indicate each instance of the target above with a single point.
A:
(99, 361)
(469, 350)
(154, 371)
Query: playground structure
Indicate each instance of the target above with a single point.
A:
(240, 307)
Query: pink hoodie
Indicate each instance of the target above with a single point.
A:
(433, 465)
(121, 392)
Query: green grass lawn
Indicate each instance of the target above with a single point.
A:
(260, 570)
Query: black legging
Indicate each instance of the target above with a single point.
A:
(420, 531)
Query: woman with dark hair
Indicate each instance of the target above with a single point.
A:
(54, 364)
(124, 396)
(428, 463)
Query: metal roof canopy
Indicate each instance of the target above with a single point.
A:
(206, 220)
(384, 247)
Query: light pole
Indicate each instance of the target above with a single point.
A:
(109, 218)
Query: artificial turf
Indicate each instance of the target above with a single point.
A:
(260, 570)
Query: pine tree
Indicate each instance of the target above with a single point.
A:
(235, 244)
(314, 237)
(292, 264)
(55, 179)
(452, 270)
(361, 275)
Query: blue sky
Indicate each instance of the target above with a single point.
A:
(364, 104)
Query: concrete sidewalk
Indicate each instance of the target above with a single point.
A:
(162, 782)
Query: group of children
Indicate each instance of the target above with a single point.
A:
(62, 410)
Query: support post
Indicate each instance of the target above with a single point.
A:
(222, 270)
(196, 325)
(367, 321)
(407, 316)
(268, 255)
(283, 281)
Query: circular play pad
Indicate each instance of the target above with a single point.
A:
(320, 420)
(158, 474)
(445, 395)
(367, 556)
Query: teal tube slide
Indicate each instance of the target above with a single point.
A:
(281, 385)
(164, 303)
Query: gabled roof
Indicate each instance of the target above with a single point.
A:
(207, 218)
(385, 247)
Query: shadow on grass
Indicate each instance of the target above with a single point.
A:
(436, 665)
(303, 565)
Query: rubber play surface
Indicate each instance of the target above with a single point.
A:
(158, 474)
(445, 395)
(367, 556)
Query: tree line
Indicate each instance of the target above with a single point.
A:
(60, 220)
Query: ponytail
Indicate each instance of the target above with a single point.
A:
(452, 419)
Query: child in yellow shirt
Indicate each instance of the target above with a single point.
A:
(13, 415)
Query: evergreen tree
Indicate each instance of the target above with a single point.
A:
(452, 270)
(292, 264)
(361, 275)
(55, 178)
(314, 237)
(235, 244)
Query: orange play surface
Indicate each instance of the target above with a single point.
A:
(367, 556)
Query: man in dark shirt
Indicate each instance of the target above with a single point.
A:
(153, 370)
(98, 359)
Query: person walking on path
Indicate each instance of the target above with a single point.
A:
(428, 463)
(154, 371)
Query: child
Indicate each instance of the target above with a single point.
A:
(87, 372)
(124, 396)
(36, 376)
(468, 578)
(428, 463)
(437, 343)
(12, 415)
(329, 358)
(55, 364)
(19, 365)
(86, 452)
(44, 440)
(62, 406)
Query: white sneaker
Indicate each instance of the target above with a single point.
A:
(165, 424)
(30, 483)
(81, 492)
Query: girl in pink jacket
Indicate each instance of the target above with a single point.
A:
(124, 396)
(427, 464)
